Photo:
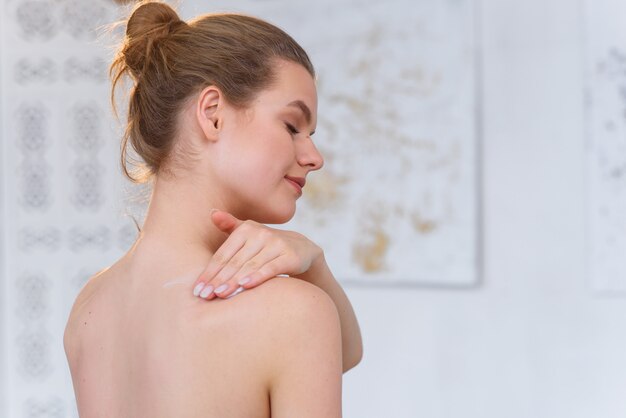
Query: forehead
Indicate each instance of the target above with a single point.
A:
(293, 87)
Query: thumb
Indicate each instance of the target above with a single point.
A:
(225, 221)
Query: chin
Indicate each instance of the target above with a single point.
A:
(277, 215)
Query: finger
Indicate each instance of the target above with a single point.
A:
(221, 257)
(267, 270)
(225, 221)
(230, 283)
(220, 282)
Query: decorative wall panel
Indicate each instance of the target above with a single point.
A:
(605, 59)
(397, 201)
(62, 192)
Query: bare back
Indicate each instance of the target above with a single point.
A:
(162, 352)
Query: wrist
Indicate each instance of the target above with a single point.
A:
(319, 261)
(316, 270)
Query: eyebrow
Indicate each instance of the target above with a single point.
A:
(305, 109)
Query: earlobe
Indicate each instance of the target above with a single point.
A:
(208, 112)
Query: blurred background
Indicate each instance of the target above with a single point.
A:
(473, 201)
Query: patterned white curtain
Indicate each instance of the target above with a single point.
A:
(62, 194)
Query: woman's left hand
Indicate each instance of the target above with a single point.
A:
(252, 251)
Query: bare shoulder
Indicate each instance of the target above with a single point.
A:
(286, 319)
(282, 305)
(82, 302)
(301, 350)
(89, 289)
(273, 308)
(298, 311)
(278, 343)
(290, 295)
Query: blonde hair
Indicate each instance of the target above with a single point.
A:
(169, 59)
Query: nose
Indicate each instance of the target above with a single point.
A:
(309, 155)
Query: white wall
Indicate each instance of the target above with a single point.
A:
(533, 341)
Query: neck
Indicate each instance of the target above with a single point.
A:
(178, 224)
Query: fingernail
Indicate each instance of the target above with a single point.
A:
(198, 289)
(244, 281)
(207, 291)
(236, 292)
(221, 288)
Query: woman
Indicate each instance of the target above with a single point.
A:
(221, 112)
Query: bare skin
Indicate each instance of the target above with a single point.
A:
(139, 343)
(161, 352)
(254, 253)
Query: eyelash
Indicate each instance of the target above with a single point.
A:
(291, 129)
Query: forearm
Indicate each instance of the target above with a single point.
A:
(320, 275)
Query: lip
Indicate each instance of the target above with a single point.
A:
(297, 182)
(301, 181)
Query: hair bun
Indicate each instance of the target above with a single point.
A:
(148, 23)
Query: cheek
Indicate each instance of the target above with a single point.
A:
(256, 160)
(255, 171)
(268, 156)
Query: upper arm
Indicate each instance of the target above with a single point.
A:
(305, 354)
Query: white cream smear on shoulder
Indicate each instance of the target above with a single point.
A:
(180, 280)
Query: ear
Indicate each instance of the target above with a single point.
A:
(208, 112)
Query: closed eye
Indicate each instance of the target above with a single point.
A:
(291, 129)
